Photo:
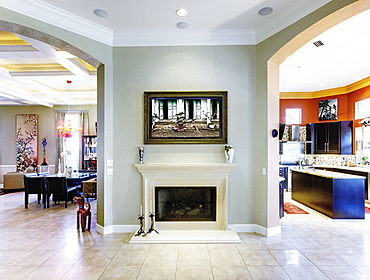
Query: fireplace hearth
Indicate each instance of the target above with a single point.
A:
(185, 203)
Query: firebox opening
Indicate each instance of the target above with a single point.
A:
(185, 203)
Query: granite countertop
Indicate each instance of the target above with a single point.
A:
(354, 168)
(328, 174)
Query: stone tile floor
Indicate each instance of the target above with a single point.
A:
(44, 244)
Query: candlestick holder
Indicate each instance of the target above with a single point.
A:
(141, 154)
(151, 215)
(141, 230)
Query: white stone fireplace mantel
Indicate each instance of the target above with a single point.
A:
(182, 175)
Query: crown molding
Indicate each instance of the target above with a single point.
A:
(214, 37)
(60, 18)
(287, 17)
(327, 92)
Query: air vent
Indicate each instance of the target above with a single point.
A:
(318, 43)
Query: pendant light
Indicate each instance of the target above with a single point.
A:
(65, 127)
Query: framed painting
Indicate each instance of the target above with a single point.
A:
(185, 117)
(26, 142)
(328, 109)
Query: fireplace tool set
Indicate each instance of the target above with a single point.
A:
(141, 229)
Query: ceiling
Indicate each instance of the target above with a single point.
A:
(34, 73)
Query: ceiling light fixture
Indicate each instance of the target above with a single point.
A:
(182, 25)
(265, 11)
(101, 13)
(65, 128)
(181, 12)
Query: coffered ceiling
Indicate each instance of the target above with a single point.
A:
(35, 73)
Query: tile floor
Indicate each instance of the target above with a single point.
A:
(44, 244)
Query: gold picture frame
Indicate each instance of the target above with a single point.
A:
(196, 117)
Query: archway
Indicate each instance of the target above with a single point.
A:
(273, 81)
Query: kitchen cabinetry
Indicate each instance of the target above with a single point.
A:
(332, 138)
(89, 158)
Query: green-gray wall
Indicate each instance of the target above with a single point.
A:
(129, 71)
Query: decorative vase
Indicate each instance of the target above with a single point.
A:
(229, 153)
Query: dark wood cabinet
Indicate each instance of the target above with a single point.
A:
(89, 159)
(332, 138)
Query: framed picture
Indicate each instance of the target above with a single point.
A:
(328, 109)
(26, 142)
(185, 117)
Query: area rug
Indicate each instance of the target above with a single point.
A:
(290, 208)
(367, 210)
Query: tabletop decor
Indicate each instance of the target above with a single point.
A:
(185, 117)
(229, 153)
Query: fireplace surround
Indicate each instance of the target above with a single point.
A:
(186, 175)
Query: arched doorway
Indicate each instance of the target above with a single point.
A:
(273, 76)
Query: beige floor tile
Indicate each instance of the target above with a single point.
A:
(225, 257)
(353, 257)
(15, 272)
(64, 257)
(231, 272)
(160, 272)
(33, 257)
(363, 269)
(267, 272)
(130, 258)
(194, 272)
(290, 257)
(258, 257)
(113, 272)
(305, 273)
(157, 256)
(46, 272)
(84, 273)
(193, 257)
(308, 243)
(97, 258)
(343, 272)
(322, 257)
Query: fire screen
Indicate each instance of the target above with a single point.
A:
(185, 203)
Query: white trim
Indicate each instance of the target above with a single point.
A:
(256, 228)
(268, 232)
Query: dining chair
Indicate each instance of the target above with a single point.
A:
(58, 187)
(35, 185)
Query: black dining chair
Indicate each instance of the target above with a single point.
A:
(35, 185)
(58, 187)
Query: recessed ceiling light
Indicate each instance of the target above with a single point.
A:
(101, 13)
(182, 25)
(181, 12)
(265, 11)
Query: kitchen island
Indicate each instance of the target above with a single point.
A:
(334, 194)
(359, 171)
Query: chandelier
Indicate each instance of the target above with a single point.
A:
(66, 128)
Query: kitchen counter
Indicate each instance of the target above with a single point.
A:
(355, 170)
(328, 174)
(351, 168)
(334, 194)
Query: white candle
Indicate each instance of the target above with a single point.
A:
(151, 207)
(141, 210)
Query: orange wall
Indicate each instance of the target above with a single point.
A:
(310, 107)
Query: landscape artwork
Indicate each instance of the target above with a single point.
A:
(328, 109)
(26, 142)
(185, 117)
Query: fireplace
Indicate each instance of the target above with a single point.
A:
(194, 178)
(185, 203)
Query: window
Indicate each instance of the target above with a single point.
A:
(293, 116)
(362, 109)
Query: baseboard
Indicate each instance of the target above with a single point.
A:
(235, 227)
